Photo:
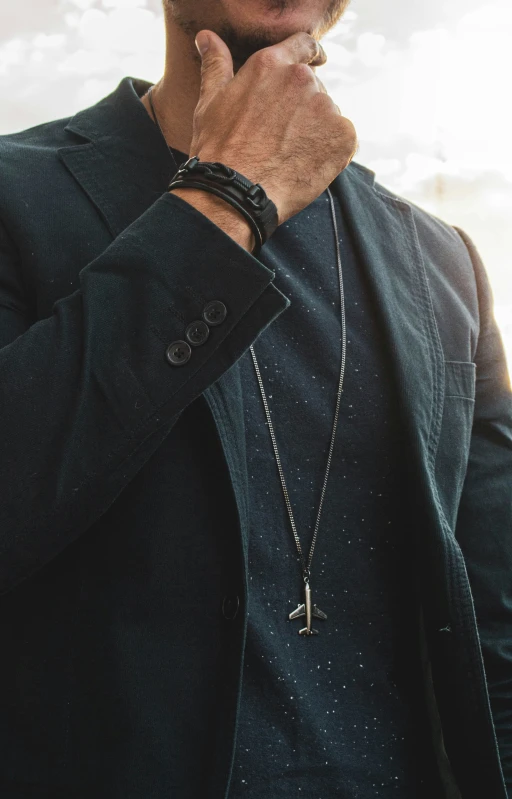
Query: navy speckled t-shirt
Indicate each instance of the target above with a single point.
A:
(340, 714)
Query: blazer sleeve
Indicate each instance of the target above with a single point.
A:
(484, 523)
(87, 395)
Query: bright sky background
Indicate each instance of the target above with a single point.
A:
(426, 84)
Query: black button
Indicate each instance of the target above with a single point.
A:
(178, 353)
(215, 312)
(197, 332)
(230, 605)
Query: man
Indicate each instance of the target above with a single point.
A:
(178, 498)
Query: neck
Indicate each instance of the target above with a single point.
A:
(176, 94)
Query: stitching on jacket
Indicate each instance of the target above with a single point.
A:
(178, 314)
(196, 295)
(159, 335)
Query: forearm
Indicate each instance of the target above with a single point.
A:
(88, 392)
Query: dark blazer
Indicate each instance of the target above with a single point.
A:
(123, 537)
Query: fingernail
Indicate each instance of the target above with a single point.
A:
(320, 58)
(202, 43)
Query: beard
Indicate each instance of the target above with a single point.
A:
(243, 44)
(333, 14)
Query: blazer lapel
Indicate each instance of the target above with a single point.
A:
(123, 165)
(384, 234)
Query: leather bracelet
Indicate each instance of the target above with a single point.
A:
(250, 199)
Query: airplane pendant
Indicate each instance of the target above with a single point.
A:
(309, 612)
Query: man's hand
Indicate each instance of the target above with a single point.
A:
(273, 121)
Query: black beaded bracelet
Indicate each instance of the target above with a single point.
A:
(250, 199)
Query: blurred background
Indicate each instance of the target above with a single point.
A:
(426, 84)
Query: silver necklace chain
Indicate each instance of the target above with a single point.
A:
(306, 565)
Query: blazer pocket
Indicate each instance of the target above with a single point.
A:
(455, 436)
(460, 380)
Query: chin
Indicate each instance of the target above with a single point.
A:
(278, 18)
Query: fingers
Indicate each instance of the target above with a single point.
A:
(216, 62)
(300, 48)
(321, 57)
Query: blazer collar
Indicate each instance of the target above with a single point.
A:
(124, 166)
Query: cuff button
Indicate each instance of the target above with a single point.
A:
(178, 353)
(197, 333)
(214, 313)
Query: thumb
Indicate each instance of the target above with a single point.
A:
(216, 62)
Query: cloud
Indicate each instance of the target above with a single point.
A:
(22, 18)
(395, 19)
(91, 47)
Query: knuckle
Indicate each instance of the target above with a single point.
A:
(348, 124)
(308, 41)
(348, 129)
(322, 103)
(348, 138)
(301, 74)
(265, 59)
